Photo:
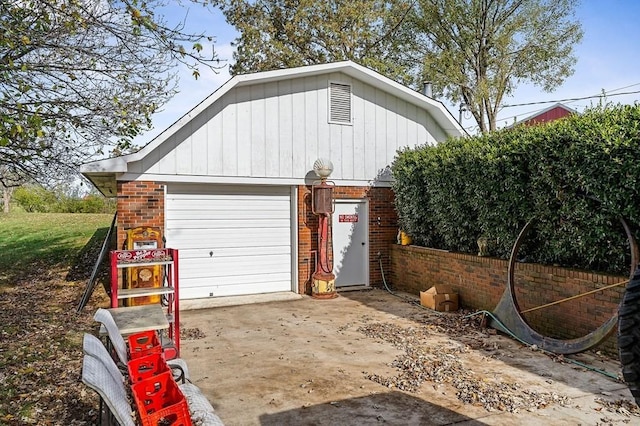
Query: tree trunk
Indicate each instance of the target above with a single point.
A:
(6, 198)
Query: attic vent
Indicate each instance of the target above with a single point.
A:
(339, 103)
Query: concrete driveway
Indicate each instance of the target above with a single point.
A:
(368, 357)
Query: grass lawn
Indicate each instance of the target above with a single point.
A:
(30, 242)
(45, 262)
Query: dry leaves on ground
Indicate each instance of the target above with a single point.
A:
(41, 353)
(429, 355)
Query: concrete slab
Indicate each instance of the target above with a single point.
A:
(216, 302)
(312, 362)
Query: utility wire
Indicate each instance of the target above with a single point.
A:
(625, 87)
(569, 100)
(606, 94)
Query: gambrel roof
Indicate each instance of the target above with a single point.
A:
(434, 124)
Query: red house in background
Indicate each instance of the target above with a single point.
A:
(552, 113)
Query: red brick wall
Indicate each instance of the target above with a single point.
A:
(140, 203)
(380, 235)
(481, 281)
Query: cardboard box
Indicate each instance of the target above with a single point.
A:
(440, 298)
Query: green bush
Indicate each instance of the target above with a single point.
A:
(35, 198)
(573, 177)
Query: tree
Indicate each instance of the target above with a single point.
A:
(477, 51)
(473, 51)
(79, 76)
(278, 34)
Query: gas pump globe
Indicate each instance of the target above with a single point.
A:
(323, 286)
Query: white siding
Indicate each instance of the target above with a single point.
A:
(258, 126)
(244, 125)
(228, 140)
(298, 127)
(284, 139)
(313, 129)
(272, 133)
(215, 154)
(278, 129)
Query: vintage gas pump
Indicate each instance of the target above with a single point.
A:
(323, 286)
(143, 276)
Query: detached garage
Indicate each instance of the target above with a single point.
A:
(229, 184)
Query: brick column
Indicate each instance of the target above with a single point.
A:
(140, 203)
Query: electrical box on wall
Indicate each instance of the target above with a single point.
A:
(143, 238)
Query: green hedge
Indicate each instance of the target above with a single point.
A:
(574, 177)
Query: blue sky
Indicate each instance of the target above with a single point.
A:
(608, 59)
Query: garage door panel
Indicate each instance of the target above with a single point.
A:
(250, 237)
(207, 289)
(219, 203)
(228, 275)
(228, 266)
(221, 252)
(239, 225)
(212, 239)
(228, 214)
(230, 203)
(279, 278)
(246, 229)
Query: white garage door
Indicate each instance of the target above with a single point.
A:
(232, 240)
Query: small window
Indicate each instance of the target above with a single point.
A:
(339, 103)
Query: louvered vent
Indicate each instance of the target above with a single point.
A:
(339, 103)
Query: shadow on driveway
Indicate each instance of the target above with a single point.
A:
(393, 407)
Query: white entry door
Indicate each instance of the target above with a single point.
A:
(350, 224)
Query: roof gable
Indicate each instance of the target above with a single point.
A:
(551, 113)
(100, 171)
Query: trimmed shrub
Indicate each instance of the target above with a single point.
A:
(575, 178)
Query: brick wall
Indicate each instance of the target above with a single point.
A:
(380, 234)
(139, 204)
(481, 281)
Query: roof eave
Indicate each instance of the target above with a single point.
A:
(103, 174)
